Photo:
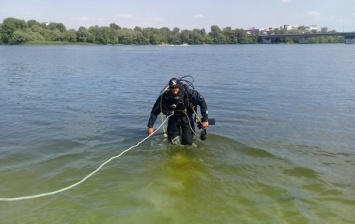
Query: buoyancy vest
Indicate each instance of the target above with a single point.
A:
(176, 103)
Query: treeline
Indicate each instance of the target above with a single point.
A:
(17, 31)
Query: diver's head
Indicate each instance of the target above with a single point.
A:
(174, 83)
(174, 86)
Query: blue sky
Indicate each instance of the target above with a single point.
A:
(337, 15)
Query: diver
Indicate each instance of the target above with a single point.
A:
(179, 101)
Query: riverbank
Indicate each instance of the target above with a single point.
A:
(56, 43)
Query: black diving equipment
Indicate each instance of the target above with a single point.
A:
(178, 103)
(203, 133)
(211, 121)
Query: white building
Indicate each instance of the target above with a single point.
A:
(311, 28)
(288, 27)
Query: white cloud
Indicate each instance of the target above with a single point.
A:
(197, 16)
(313, 14)
(285, 1)
(123, 15)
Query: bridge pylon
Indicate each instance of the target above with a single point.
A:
(266, 40)
(349, 40)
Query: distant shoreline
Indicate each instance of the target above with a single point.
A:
(15, 31)
(59, 43)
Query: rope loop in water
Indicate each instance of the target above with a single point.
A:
(85, 178)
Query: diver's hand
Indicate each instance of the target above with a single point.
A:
(150, 131)
(204, 124)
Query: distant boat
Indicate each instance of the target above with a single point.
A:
(173, 45)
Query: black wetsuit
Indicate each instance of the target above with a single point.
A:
(180, 106)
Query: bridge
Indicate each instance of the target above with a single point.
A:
(349, 36)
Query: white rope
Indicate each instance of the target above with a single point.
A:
(85, 178)
(192, 130)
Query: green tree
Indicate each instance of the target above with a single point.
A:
(165, 35)
(176, 38)
(312, 40)
(115, 26)
(229, 35)
(154, 39)
(208, 39)
(58, 26)
(217, 35)
(197, 37)
(186, 37)
(140, 39)
(52, 35)
(84, 35)
(37, 28)
(9, 26)
(35, 36)
(152, 35)
(95, 31)
(70, 35)
(19, 37)
(139, 36)
(105, 35)
(1, 34)
(44, 25)
(35, 33)
(125, 36)
(138, 29)
(203, 32)
(32, 23)
(176, 30)
(288, 40)
(112, 35)
(242, 36)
